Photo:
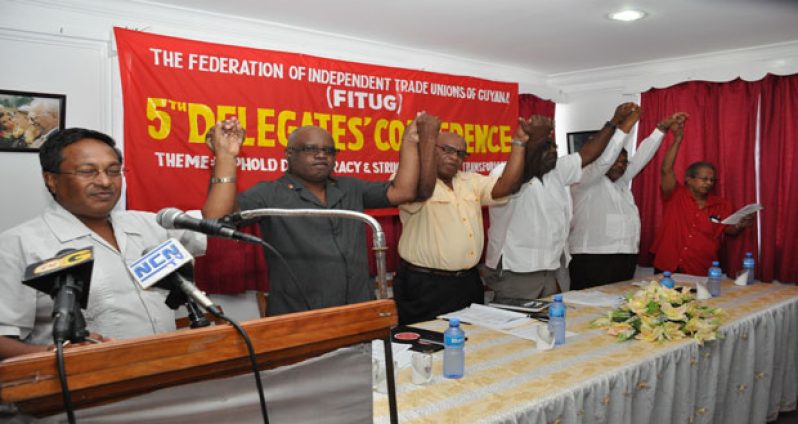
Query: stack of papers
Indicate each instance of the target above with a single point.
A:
(689, 279)
(486, 316)
(742, 213)
(592, 298)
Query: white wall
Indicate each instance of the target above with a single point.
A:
(66, 47)
(586, 112)
(48, 64)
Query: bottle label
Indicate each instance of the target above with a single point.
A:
(453, 340)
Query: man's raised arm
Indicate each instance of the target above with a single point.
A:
(425, 128)
(531, 131)
(667, 181)
(591, 150)
(224, 139)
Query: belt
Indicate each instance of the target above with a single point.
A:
(433, 271)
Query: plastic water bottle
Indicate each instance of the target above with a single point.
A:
(557, 319)
(666, 280)
(453, 352)
(749, 266)
(713, 279)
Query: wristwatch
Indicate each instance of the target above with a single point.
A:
(518, 143)
(611, 125)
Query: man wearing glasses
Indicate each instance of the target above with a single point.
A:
(82, 170)
(327, 256)
(527, 255)
(689, 238)
(442, 233)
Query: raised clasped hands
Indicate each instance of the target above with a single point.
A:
(424, 128)
(624, 111)
(535, 129)
(226, 137)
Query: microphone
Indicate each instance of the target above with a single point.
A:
(66, 278)
(169, 266)
(172, 218)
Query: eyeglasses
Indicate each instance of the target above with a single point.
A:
(315, 150)
(92, 173)
(449, 150)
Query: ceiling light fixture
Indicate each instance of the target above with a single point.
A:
(628, 15)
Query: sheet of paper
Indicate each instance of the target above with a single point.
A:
(689, 279)
(643, 283)
(533, 332)
(740, 214)
(485, 316)
(742, 279)
(592, 298)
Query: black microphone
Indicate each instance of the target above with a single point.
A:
(172, 218)
(184, 277)
(182, 291)
(66, 278)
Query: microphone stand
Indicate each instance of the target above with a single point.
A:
(378, 240)
(195, 315)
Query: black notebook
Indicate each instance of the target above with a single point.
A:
(523, 305)
(421, 339)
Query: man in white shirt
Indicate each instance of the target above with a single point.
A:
(605, 229)
(527, 236)
(83, 171)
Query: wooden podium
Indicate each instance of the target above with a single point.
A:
(110, 372)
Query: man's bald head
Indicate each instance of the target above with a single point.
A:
(298, 137)
(311, 154)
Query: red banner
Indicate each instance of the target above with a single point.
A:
(175, 89)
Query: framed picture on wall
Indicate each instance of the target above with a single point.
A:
(577, 139)
(26, 119)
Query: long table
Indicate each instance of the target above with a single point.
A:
(748, 376)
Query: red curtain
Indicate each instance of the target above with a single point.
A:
(721, 129)
(530, 104)
(230, 267)
(779, 179)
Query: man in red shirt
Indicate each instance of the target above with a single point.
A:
(691, 233)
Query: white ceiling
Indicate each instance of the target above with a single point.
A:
(549, 37)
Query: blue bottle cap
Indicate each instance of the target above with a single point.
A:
(715, 263)
(749, 255)
(558, 298)
(666, 274)
(454, 322)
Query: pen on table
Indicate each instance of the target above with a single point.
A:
(431, 341)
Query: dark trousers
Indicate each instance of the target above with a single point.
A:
(423, 295)
(589, 270)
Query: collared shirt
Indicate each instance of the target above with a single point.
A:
(328, 256)
(445, 231)
(529, 233)
(117, 306)
(687, 240)
(606, 219)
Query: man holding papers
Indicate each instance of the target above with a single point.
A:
(689, 237)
